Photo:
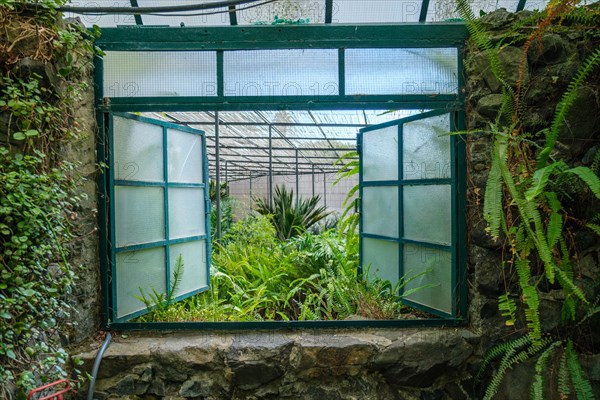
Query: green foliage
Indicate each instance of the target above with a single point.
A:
(227, 211)
(567, 101)
(256, 277)
(37, 200)
(291, 217)
(349, 167)
(526, 203)
(159, 302)
(36, 275)
(571, 377)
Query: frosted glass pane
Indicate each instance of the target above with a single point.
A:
(426, 148)
(281, 73)
(194, 274)
(139, 215)
(311, 10)
(143, 269)
(401, 71)
(382, 259)
(427, 215)
(437, 268)
(187, 18)
(185, 157)
(138, 150)
(186, 212)
(160, 73)
(440, 10)
(108, 20)
(380, 211)
(375, 11)
(380, 154)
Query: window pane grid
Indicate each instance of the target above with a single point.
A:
(125, 218)
(408, 235)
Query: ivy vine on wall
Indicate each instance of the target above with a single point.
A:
(42, 63)
(527, 204)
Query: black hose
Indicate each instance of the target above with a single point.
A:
(96, 366)
(145, 10)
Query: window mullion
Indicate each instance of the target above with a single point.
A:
(166, 213)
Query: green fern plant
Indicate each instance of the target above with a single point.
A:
(158, 303)
(561, 356)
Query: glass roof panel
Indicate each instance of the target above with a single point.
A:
(285, 116)
(401, 71)
(102, 20)
(141, 73)
(375, 11)
(442, 10)
(281, 72)
(312, 11)
(215, 17)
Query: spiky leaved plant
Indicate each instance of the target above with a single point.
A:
(291, 216)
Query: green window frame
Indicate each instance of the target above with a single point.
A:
(227, 39)
(148, 180)
(414, 211)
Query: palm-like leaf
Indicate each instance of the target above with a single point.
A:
(290, 217)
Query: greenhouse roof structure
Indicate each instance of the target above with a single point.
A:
(245, 12)
(277, 140)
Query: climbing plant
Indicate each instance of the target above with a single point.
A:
(43, 62)
(524, 204)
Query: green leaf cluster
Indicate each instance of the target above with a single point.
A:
(291, 216)
(35, 275)
(255, 276)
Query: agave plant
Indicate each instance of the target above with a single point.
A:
(291, 217)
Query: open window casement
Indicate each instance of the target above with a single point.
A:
(410, 208)
(159, 211)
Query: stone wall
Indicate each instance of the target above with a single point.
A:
(431, 363)
(382, 364)
(83, 256)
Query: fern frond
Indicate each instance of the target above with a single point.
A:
(565, 105)
(567, 283)
(594, 227)
(564, 378)
(537, 388)
(513, 356)
(500, 350)
(540, 179)
(582, 386)
(531, 299)
(507, 308)
(589, 177)
(493, 212)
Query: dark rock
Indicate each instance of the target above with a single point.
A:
(254, 374)
(122, 385)
(157, 387)
(195, 388)
(422, 358)
(582, 121)
(489, 309)
(551, 49)
(497, 19)
(516, 385)
(487, 265)
(490, 105)
(550, 309)
(28, 68)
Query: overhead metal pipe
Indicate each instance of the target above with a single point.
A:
(218, 176)
(270, 183)
(297, 183)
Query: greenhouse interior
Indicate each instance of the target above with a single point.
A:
(300, 199)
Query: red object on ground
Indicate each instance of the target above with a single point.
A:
(57, 395)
